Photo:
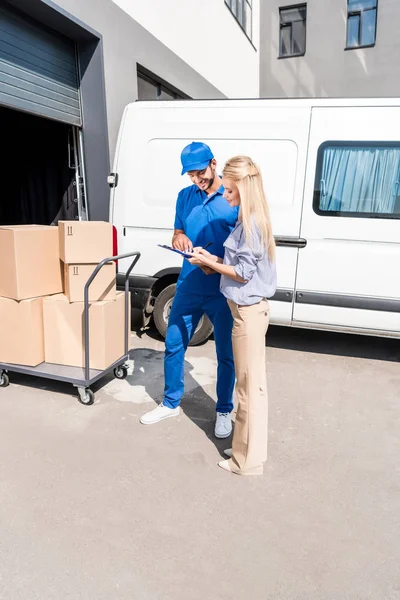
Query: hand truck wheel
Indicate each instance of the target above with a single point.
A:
(121, 372)
(4, 379)
(86, 396)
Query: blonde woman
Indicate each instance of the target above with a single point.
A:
(248, 279)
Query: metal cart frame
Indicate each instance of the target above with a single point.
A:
(82, 378)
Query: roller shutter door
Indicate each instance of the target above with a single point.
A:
(38, 71)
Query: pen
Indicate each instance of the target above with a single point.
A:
(207, 245)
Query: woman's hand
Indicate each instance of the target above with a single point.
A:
(199, 259)
(200, 250)
(204, 260)
(207, 262)
(205, 254)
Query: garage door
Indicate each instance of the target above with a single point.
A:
(38, 71)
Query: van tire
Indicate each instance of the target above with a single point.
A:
(162, 307)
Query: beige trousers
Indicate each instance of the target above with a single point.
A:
(250, 438)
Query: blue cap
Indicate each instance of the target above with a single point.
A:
(196, 157)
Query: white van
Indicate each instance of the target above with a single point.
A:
(331, 171)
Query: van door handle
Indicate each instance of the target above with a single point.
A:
(287, 241)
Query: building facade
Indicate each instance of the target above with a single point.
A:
(329, 48)
(217, 38)
(76, 64)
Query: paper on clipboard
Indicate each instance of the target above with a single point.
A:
(184, 254)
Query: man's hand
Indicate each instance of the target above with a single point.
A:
(181, 242)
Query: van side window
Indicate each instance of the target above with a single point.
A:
(358, 179)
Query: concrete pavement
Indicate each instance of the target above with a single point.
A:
(95, 506)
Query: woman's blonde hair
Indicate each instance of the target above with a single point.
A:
(253, 203)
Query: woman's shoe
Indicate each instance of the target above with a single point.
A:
(228, 452)
(224, 464)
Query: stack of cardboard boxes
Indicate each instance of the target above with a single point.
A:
(29, 269)
(43, 274)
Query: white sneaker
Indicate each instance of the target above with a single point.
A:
(223, 425)
(228, 452)
(158, 414)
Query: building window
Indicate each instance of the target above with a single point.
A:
(358, 179)
(241, 10)
(151, 87)
(292, 40)
(361, 23)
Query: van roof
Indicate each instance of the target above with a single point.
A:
(267, 102)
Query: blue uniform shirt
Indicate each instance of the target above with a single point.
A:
(204, 219)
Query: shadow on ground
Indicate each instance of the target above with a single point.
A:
(198, 406)
(335, 344)
(322, 342)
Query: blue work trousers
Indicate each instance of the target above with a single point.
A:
(187, 310)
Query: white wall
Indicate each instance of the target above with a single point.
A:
(207, 37)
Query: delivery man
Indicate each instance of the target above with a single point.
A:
(202, 217)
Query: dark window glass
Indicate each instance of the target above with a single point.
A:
(242, 11)
(247, 26)
(165, 94)
(361, 4)
(151, 89)
(361, 23)
(299, 37)
(146, 89)
(292, 30)
(368, 28)
(353, 31)
(285, 41)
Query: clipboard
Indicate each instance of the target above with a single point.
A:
(184, 254)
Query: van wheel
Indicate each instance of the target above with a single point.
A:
(162, 308)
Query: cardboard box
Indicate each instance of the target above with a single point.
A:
(21, 339)
(64, 331)
(83, 242)
(103, 287)
(29, 261)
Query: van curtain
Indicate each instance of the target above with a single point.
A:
(360, 179)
